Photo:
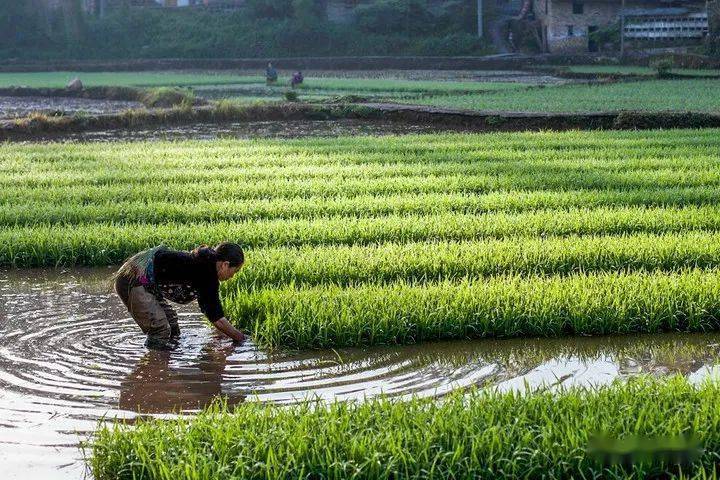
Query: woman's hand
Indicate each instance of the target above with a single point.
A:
(226, 327)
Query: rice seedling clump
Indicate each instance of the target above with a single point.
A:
(485, 434)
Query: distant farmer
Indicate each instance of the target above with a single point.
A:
(271, 74)
(151, 278)
(297, 79)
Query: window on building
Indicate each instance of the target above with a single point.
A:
(578, 7)
(570, 30)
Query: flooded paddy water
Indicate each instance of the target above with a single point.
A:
(250, 130)
(70, 356)
(17, 107)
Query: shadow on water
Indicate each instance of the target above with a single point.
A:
(69, 356)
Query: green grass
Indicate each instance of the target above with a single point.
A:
(256, 82)
(398, 239)
(651, 95)
(636, 70)
(125, 79)
(480, 435)
(402, 86)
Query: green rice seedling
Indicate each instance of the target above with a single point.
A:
(102, 244)
(482, 434)
(507, 306)
(431, 261)
(479, 178)
(637, 70)
(652, 95)
(75, 205)
(430, 87)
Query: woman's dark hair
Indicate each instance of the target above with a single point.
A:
(223, 252)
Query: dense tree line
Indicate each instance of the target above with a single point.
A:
(260, 28)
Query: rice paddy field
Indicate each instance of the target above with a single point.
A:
(363, 241)
(250, 88)
(245, 84)
(487, 93)
(371, 241)
(653, 95)
(638, 70)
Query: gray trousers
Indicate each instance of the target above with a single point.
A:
(156, 318)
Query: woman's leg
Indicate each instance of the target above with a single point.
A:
(147, 312)
(172, 317)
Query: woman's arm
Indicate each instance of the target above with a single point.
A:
(226, 327)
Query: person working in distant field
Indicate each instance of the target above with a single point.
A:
(150, 278)
(271, 74)
(297, 79)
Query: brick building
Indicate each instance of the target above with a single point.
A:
(566, 25)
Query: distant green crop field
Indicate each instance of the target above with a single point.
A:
(654, 95)
(414, 86)
(635, 70)
(333, 85)
(139, 79)
(356, 241)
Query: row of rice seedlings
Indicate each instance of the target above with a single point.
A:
(287, 175)
(555, 178)
(608, 144)
(508, 306)
(100, 206)
(575, 433)
(197, 172)
(102, 244)
(152, 170)
(431, 261)
(583, 195)
(378, 162)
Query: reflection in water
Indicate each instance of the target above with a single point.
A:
(157, 386)
(69, 355)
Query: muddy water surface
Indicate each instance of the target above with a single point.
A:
(15, 107)
(69, 355)
(250, 130)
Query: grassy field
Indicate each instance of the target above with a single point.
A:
(124, 79)
(636, 70)
(653, 95)
(364, 240)
(480, 435)
(170, 78)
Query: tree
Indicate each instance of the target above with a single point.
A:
(23, 23)
(270, 8)
(309, 13)
(409, 17)
(74, 22)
